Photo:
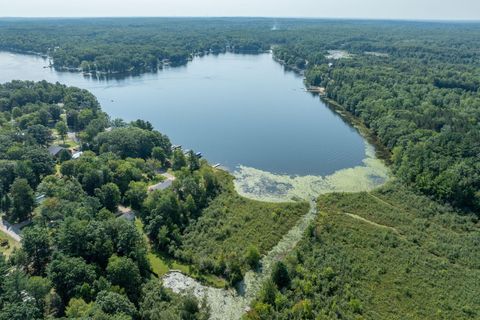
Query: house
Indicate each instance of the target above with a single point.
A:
(77, 155)
(176, 146)
(55, 150)
(40, 198)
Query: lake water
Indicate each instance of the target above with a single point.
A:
(235, 109)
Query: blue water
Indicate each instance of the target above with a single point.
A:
(235, 109)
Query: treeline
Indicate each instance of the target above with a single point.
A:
(77, 258)
(128, 45)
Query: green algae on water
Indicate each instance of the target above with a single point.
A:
(266, 186)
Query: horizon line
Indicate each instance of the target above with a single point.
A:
(252, 17)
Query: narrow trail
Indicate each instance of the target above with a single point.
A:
(229, 304)
(385, 202)
(357, 217)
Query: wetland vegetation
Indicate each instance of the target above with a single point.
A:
(386, 254)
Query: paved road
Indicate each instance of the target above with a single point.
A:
(164, 184)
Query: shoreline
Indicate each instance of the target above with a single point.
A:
(381, 152)
(261, 185)
(132, 72)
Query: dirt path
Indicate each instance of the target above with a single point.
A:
(385, 202)
(354, 216)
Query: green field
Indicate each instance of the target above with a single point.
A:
(388, 254)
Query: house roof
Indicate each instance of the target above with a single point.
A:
(77, 155)
(54, 150)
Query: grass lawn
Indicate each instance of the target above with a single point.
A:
(68, 143)
(7, 250)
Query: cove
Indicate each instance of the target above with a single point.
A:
(242, 111)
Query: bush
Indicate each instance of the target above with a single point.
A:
(280, 275)
(253, 257)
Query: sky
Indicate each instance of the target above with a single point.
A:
(365, 9)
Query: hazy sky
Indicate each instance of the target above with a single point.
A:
(392, 9)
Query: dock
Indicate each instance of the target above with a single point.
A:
(314, 89)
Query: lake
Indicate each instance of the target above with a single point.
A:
(236, 109)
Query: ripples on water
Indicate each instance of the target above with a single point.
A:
(235, 109)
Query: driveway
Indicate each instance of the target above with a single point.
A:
(13, 230)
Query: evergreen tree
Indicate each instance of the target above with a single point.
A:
(280, 275)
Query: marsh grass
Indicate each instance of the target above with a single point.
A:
(386, 254)
(232, 223)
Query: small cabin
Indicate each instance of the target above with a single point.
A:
(55, 150)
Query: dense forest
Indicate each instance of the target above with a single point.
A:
(407, 250)
(77, 259)
(128, 45)
(414, 84)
